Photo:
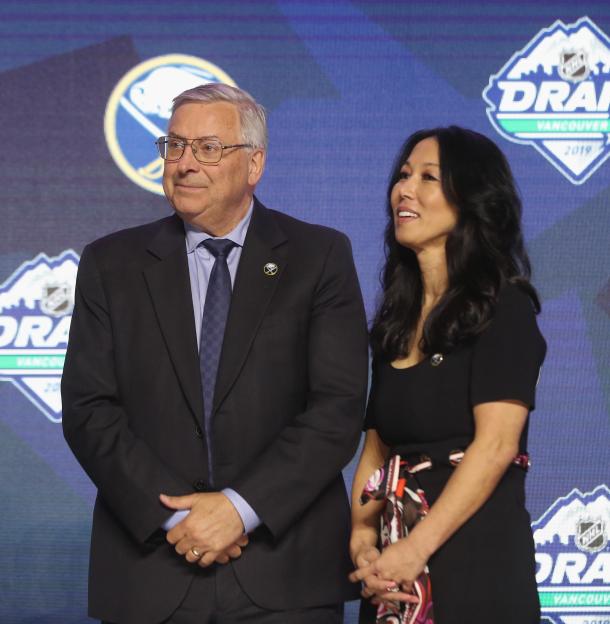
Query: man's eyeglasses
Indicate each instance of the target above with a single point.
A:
(206, 151)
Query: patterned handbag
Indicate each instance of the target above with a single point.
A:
(404, 508)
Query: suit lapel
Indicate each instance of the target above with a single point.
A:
(252, 292)
(170, 290)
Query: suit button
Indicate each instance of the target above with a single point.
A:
(198, 431)
(200, 485)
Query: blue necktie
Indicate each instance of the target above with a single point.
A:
(215, 312)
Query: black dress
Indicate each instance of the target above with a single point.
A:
(485, 573)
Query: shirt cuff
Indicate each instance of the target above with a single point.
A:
(248, 516)
(173, 520)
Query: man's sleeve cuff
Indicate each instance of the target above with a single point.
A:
(173, 520)
(248, 516)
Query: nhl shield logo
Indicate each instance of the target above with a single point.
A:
(56, 299)
(591, 535)
(554, 95)
(139, 109)
(36, 304)
(574, 66)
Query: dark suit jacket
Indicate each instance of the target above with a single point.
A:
(287, 415)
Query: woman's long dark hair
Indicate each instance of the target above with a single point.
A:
(484, 250)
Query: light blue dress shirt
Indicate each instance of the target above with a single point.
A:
(200, 262)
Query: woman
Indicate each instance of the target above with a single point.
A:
(457, 354)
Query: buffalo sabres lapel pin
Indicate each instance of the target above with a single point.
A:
(270, 269)
(437, 359)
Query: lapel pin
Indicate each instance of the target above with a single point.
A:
(270, 269)
(436, 359)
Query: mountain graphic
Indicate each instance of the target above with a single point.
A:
(560, 520)
(24, 286)
(547, 52)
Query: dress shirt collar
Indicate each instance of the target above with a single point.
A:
(194, 237)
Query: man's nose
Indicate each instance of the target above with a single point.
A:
(188, 162)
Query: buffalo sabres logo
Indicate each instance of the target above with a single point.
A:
(437, 359)
(140, 107)
(270, 269)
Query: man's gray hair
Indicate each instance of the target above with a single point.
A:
(252, 116)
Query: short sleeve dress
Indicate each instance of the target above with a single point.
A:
(485, 573)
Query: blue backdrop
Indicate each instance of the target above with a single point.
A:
(83, 89)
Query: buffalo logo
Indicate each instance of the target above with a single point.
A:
(573, 558)
(140, 106)
(270, 269)
(554, 95)
(36, 304)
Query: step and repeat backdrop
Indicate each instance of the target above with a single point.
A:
(86, 87)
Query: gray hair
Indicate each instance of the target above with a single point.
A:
(252, 116)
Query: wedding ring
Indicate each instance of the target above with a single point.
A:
(392, 588)
(195, 552)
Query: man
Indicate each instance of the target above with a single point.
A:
(203, 446)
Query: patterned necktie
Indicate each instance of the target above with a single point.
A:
(215, 312)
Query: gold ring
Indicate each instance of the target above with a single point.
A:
(195, 552)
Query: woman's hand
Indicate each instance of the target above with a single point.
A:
(389, 576)
(365, 530)
(363, 558)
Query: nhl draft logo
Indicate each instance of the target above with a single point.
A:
(140, 107)
(573, 558)
(554, 95)
(36, 304)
